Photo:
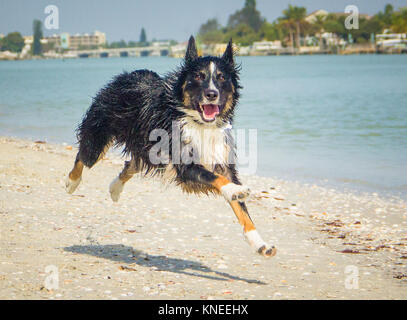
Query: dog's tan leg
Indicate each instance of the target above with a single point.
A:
(234, 194)
(230, 190)
(116, 187)
(249, 230)
(74, 177)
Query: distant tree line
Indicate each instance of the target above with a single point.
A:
(123, 44)
(14, 41)
(246, 26)
(143, 42)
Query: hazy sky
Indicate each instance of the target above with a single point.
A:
(162, 19)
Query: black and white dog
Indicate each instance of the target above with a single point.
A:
(200, 99)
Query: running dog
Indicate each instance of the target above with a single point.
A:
(199, 98)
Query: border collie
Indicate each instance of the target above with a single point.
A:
(199, 98)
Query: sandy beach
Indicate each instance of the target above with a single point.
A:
(158, 243)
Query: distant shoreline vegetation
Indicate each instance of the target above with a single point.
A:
(295, 32)
(246, 26)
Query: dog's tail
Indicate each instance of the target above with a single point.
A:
(94, 136)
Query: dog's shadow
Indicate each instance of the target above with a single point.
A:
(131, 256)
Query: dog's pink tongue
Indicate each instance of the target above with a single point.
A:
(210, 111)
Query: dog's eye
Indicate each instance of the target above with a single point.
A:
(221, 77)
(200, 76)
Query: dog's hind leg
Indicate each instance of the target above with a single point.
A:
(116, 187)
(75, 176)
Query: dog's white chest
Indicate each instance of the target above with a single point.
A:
(208, 146)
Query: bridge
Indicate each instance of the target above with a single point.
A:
(124, 52)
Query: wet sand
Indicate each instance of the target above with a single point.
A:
(158, 243)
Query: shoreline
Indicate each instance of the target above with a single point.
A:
(402, 52)
(158, 243)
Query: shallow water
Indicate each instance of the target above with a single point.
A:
(340, 120)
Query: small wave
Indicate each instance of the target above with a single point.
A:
(297, 132)
(370, 134)
(357, 182)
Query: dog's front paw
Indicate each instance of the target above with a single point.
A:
(267, 251)
(235, 192)
(115, 189)
(257, 242)
(71, 185)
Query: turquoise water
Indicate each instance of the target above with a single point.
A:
(336, 120)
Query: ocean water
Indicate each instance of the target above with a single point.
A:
(334, 120)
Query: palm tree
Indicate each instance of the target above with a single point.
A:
(296, 15)
(289, 24)
(319, 25)
(399, 21)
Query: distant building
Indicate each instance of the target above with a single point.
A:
(219, 49)
(77, 41)
(178, 50)
(260, 46)
(161, 43)
(244, 50)
(311, 18)
(8, 55)
(332, 39)
(344, 14)
(28, 39)
(391, 40)
(64, 40)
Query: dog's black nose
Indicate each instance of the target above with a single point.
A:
(211, 94)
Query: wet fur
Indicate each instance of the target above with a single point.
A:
(201, 94)
(133, 104)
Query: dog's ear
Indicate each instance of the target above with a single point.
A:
(228, 54)
(191, 53)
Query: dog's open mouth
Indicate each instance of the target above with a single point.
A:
(209, 111)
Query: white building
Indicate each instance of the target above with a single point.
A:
(331, 39)
(161, 43)
(392, 40)
(312, 16)
(262, 46)
(178, 51)
(77, 41)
